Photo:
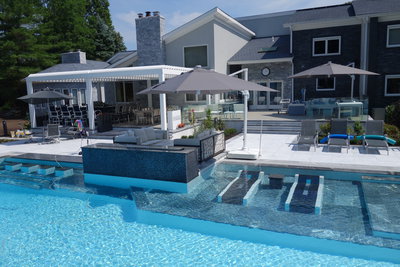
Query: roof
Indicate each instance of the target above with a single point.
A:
(90, 65)
(120, 55)
(203, 19)
(323, 13)
(252, 50)
(365, 7)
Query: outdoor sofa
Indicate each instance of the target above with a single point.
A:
(143, 136)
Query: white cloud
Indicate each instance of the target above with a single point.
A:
(125, 24)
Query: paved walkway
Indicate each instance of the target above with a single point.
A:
(276, 149)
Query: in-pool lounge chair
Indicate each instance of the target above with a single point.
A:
(308, 134)
(338, 135)
(374, 135)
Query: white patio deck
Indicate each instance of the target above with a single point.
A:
(276, 149)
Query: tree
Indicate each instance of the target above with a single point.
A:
(107, 41)
(20, 51)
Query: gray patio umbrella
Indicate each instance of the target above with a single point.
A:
(205, 81)
(332, 69)
(44, 96)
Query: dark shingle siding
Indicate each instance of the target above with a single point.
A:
(251, 49)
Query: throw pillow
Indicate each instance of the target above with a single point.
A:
(141, 134)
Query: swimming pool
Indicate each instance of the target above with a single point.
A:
(78, 223)
(67, 229)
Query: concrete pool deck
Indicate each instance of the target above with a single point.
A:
(276, 149)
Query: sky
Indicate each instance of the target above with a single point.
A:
(178, 12)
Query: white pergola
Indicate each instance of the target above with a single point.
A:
(160, 72)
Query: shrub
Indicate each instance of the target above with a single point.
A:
(392, 114)
(393, 132)
(219, 124)
(229, 132)
(358, 129)
(190, 136)
(184, 137)
(325, 128)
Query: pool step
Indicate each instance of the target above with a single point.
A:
(305, 195)
(63, 172)
(46, 170)
(242, 189)
(13, 166)
(29, 168)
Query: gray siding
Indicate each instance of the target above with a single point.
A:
(203, 35)
(303, 59)
(382, 60)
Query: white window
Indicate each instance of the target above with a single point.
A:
(393, 36)
(327, 46)
(195, 55)
(326, 84)
(392, 85)
(195, 97)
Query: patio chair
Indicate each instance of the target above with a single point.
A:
(338, 135)
(52, 133)
(308, 134)
(54, 115)
(374, 136)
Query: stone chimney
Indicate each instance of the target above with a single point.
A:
(149, 32)
(74, 57)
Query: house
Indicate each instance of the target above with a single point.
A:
(363, 33)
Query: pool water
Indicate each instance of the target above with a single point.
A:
(39, 228)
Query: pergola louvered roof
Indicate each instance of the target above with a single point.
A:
(116, 74)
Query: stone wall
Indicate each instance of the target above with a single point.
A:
(149, 32)
(279, 71)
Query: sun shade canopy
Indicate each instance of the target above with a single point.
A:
(203, 81)
(331, 69)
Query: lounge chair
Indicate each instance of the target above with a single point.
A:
(338, 135)
(308, 134)
(374, 135)
(52, 133)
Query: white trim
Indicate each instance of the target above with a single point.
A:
(394, 76)
(327, 89)
(204, 19)
(272, 60)
(188, 46)
(390, 27)
(326, 39)
(323, 23)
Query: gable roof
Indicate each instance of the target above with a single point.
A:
(201, 20)
(120, 55)
(252, 51)
(365, 7)
(90, 65)
(323, 13)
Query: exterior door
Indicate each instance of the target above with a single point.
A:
(263, 100)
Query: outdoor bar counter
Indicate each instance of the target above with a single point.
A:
(124, 166)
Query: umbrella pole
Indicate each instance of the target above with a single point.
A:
(352, 86)
(246, 98)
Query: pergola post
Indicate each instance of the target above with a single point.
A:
(89, 102)
(32, 111)
(163, 103)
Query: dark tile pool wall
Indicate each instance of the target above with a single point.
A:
(177, 166)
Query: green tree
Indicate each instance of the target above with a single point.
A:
(106, 40)
(21, 53)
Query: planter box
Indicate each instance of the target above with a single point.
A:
(174, 118)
